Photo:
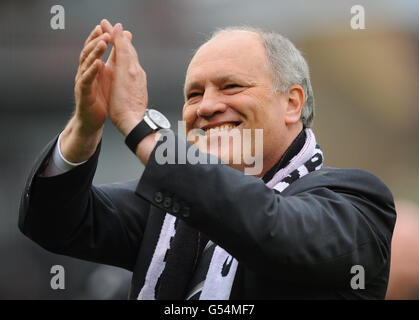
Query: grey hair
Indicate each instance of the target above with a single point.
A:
(287, 64)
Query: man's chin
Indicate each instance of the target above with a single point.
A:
(239, 149)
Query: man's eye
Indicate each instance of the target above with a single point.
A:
(193, 94)
(232, 85)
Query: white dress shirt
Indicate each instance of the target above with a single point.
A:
(58, 164)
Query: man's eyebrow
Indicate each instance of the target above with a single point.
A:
(221, 79)
(192, 86)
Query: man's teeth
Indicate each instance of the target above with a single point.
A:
(223, 127)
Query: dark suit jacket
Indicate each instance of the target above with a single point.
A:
(300, 244)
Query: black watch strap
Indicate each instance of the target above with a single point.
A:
(140, 131)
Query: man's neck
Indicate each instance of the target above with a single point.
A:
(286, 157)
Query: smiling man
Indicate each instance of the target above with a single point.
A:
(230, 82)
(293, 230)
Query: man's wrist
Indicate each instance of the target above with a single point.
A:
(61, 161)
(129, 122)
(146, 146)
(76, 145)
(58, 164)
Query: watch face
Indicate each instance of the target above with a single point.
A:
(158, 118)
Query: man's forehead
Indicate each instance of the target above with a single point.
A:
(233, 36)
(229, 42)
(232, 49)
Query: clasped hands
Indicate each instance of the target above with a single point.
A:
(116, 88)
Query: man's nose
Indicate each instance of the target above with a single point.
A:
(210, 105)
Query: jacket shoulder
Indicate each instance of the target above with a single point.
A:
(351, 181)
(360, 189)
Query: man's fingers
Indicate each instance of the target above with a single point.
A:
(111, 58)
(120, 43)
(106, 26)
(119, 38)
(92, 51)
(97, 31)
(128, 35)
(96, 53)
(92, 45)
(125, 51)
(88, 77)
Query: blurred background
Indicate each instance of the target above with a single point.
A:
(365, 84)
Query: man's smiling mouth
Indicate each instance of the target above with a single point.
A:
(218, 128)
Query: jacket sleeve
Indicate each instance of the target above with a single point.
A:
(314, 234)
(66, 214)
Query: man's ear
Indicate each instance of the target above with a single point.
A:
(296, 99)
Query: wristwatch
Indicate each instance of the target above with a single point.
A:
(153, 120)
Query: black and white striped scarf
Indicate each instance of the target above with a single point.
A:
(179, 246)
